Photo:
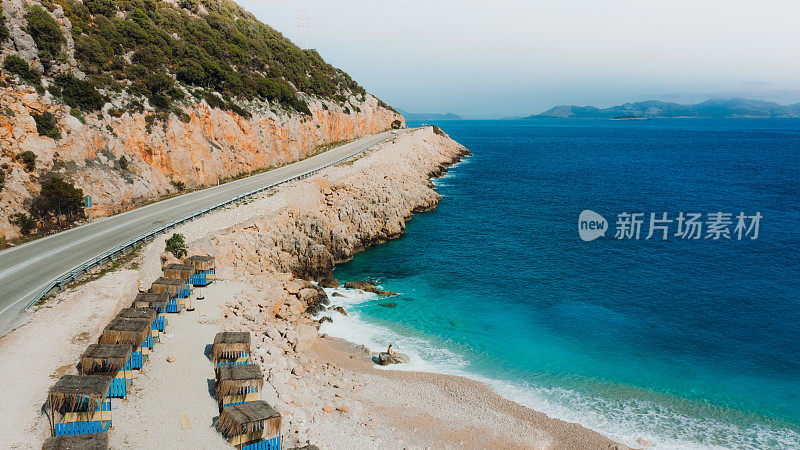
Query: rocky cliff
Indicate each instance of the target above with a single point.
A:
(123, 155)
(342, 214)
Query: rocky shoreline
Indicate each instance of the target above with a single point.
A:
(273, 254)
(279, 256)
(337, 219)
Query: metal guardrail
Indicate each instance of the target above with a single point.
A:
(83, 269)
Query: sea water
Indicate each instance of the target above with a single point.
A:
(683, 343)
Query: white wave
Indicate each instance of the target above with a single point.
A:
(625, 422)
(451, 172)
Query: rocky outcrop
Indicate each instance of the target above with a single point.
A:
(340, 217)
(385, 358)
(361, 285)
(123, 161)
(327, 219)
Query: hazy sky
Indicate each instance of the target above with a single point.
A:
(515, 57)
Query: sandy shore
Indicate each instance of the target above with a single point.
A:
(444, 411)
(330, 393)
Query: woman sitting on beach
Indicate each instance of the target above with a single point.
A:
(390, 351)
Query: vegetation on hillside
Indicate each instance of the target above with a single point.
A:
(4, 34)
(211, 49)
(28, 159)
(16, 65)
(59, 203)
(47, 35)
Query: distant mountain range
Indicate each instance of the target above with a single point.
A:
(429, 116)
(717, 108)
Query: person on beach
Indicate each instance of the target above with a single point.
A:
(390, 351)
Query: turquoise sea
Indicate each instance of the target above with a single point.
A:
(685, 343)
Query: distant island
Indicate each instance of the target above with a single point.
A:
(429, 116)
(651, 109)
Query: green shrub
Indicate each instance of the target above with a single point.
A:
(47, 125)
(79, 94)
(4, 34)
(179, 185)
(28, 159)
(177, 245)
(123, 163)
(59, 200)
(77, 13)
(46, 33)
(191, 5)
(16, 65)
(24, 222)
(2, 180)
(192, 72)
(104, 7)
(76, 112)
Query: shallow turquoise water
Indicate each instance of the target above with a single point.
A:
(683, 343)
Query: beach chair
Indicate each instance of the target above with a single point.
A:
(231, 347)
(183, 272)
(137, 334)
(176, 291)
(251, 426)
(204, 270)
(144, 315)
(158, 302)
(238, 384)
(78, 405)
(96, 441)
(112, 361)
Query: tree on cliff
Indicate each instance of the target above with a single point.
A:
(58, 201)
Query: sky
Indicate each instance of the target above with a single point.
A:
(497, 58)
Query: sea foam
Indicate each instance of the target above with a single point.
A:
(625, 422)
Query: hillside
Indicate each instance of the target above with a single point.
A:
(134, 99)
(718, 108)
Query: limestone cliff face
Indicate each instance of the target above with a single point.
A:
(335, 215)
(208, 145)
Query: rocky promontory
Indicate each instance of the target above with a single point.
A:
(341, 215)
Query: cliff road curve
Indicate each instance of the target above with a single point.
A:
(26, 270)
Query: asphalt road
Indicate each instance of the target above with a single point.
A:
(27, 269)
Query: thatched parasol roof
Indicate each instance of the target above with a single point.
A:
(73, 388)
(200, 262)
(145, 315)
(181, 271)
(172, 286)
(232, 378)
(248, 418)
(97, 441)
(105, 358)
(150, 300)
(230, 344)
(121, 331)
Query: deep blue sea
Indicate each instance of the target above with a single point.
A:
(682, 342)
